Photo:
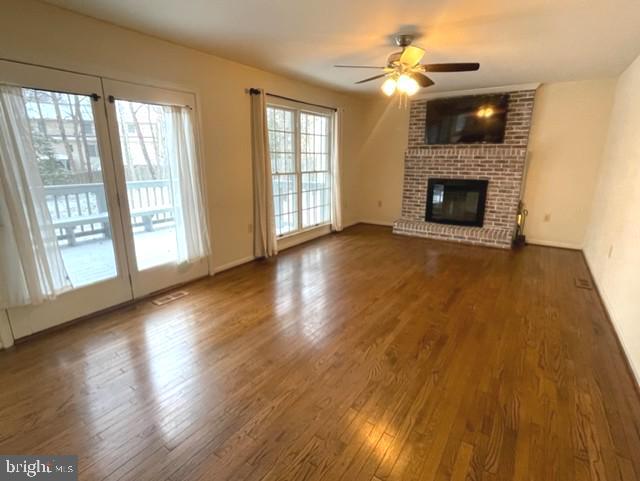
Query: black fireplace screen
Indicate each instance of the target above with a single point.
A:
(456, 201)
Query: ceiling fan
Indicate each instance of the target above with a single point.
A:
(405, 74)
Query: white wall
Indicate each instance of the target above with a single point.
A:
(612, 245)
(382, 158)
(39, 33)
(568, 132)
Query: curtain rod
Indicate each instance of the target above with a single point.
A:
(254, 91)
(112, 99)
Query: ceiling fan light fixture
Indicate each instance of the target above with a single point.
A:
(407, 85)
(389, 86)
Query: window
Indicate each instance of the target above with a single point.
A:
(299, 145)
(314, 156)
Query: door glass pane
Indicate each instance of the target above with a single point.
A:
(281, 125)
(314, 159)
(143, 141)
(64, 137)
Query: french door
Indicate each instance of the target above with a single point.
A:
(103, 157)
(140, 128)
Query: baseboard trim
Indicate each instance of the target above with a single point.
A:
(375, 222)
(561, 245)
(607, 307)
(350, 224)
(6, 334)
(232, 264)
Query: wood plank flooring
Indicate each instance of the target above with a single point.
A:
(359, 356)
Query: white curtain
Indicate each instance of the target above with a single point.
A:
(336, 200)
(31, 265)
(264, 229)
(186, 185)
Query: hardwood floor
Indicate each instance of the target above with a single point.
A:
(360, 356)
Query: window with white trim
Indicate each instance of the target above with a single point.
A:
(300, 146)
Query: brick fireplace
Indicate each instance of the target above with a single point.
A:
(502, 165)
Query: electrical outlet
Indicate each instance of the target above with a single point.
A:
(547, 217)
(379, 203)
(610, 251)
(250, 228)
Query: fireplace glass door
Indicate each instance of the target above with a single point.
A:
(456, 201)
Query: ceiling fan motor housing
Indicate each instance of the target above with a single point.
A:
(404, 40)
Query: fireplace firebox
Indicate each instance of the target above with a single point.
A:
(456, 201)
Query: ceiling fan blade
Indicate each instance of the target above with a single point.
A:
(372, 78)
(451, 67)
(357, 66)
(411, 56)
(422, 79)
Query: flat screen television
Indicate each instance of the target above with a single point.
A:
(467, 120)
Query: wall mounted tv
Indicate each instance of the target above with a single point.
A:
(467, 120)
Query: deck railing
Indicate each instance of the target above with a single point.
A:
(80, 210)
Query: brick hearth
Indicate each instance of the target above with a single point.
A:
(501, 164)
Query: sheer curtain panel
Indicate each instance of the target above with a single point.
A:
(31, 265)
(186, 185)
